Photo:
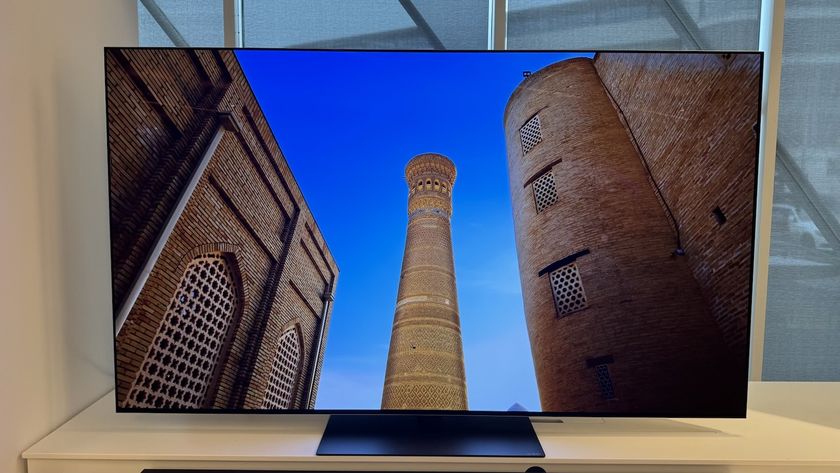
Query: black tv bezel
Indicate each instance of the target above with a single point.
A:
(438, 412)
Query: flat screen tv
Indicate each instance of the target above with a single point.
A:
(522, 233)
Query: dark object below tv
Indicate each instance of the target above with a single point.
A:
(430, 435)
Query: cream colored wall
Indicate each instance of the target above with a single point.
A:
(55, 328)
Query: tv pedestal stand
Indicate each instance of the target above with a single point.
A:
(430, 435)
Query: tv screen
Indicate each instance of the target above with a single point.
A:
(529, 233)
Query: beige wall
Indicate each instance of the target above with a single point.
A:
(55, 328)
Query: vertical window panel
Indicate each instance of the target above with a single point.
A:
(632, 24)
(366, 24)
(802, 326)
(199, 23)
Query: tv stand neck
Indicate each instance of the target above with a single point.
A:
(430, 435)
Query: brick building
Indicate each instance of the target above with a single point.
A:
(222, 279)
(632, 180)
(426, 359)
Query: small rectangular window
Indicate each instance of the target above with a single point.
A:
(719, 215)
(605, 384)
(545, 191)
(568, 289)
(530, 134)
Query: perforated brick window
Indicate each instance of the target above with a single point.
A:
(530, 134)
(284, 373)
(605, 384)
(568, 289)
(545, 191)
(180, 362)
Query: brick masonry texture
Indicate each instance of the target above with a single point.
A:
(670, 329)
(701, 146)
(164, 108)
(426, 361)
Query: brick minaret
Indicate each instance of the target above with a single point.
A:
(426, 361)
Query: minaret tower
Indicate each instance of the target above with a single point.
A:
(426, 360)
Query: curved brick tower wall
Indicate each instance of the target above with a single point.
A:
(683, 143)
(426, 361)
(616, 322)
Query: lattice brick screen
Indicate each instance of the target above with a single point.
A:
(180, 362)
(605, 381)
(284, 373)
(545, 191)
(568, 289)
(530, 134)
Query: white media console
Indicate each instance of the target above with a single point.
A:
(790, 427)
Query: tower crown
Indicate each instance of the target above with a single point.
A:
(430, 177)
(430, 165)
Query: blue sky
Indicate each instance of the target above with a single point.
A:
(347, 123)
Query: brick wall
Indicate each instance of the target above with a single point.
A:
(701, 146)
(164, 108)
(646, 322)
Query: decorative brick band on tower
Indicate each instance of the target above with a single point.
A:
(426, 361)
(617, 322)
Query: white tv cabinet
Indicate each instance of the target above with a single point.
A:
(790, 427)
